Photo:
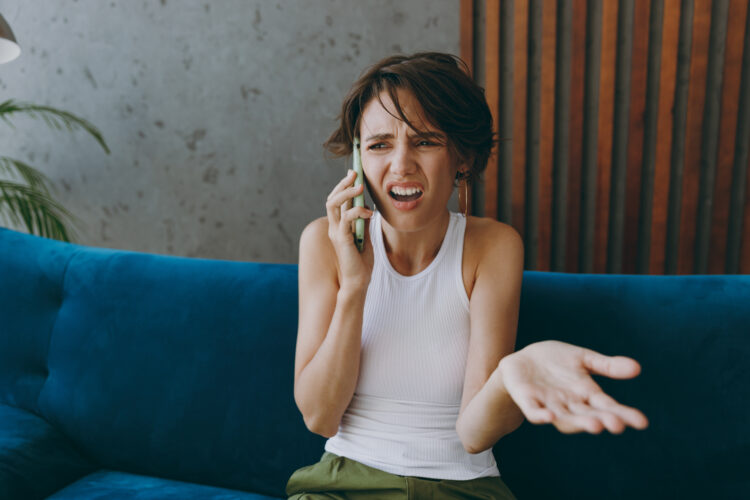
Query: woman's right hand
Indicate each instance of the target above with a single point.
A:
(355, 268)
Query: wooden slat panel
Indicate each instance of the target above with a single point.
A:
(730, 97)
(679, 132)
(520, 66)
(492, 81)
(533, 117)
(620, 136)
(710, 134)
(561, 153)
(467, 33)
(592, 83)
(670, 38)
(745, 249)
(606, 127)
(467, 54)
(638, 226)
(505, 113)
(547, 129)
(576, 132)
(696, 101)
(740, 165)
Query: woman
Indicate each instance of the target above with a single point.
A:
(405, 351)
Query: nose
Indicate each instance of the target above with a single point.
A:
(402, 160)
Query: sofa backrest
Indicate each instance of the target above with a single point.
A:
(691, 335)
(175, 367)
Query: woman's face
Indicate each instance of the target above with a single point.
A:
(410, 172)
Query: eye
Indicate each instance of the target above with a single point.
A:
(425, 142)
(377, 145)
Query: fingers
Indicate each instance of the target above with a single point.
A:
(571, 416)
(534, 410)
(619, 367)
(630, 416)
(341, 195)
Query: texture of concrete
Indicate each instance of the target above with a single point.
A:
(215, 111)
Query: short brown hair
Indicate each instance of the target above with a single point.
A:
(449, 98)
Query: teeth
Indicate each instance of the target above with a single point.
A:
(404, 191)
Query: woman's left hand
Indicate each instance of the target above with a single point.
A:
(551, 382)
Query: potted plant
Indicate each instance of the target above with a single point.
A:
(25, 198)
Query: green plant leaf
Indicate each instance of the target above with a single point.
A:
(54, 118)
(20, 170)
(36, 210)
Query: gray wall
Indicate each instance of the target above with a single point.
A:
(215, 111)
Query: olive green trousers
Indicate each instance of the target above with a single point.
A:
(340, 478)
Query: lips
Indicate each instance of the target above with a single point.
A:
(405, 195)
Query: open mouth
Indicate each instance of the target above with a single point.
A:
(405, 194)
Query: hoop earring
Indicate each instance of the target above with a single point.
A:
(466, 198)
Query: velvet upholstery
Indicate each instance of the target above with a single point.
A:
(36, 459)
(153, 376)
(107, 484)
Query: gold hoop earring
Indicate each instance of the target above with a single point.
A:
(466, 198)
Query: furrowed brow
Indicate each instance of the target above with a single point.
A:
(430, 135)
(379, 137)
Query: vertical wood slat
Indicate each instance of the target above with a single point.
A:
(546, 133)
(662, 168)
(711, 110)
(727, 135)
(492, 81)
(620, 141)
(562, 135)
(590, 128)
(677, 156)
(533, 111)
(605, 132)
(656, 25)
(505, 118)
(466, 34)
(580, 15)
(740, 166)
(520, 69)
(636, 126)
(693, 136)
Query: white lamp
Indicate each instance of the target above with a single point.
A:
(9, 49)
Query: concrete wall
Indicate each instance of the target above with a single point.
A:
(215, 111)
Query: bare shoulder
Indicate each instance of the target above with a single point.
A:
(316, 249)
(488, 239)
(490, 248)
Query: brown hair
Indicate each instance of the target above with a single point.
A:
(449, 98)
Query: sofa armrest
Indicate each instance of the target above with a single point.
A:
(35, 458)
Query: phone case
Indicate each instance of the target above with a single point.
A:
(359, 200)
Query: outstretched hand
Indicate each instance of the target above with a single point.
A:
(551, 382)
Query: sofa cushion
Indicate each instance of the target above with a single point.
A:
(114, 485)
(179, 368)
(35, 458)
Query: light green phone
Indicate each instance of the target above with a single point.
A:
(359, 200)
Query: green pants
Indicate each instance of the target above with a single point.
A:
(340, 478)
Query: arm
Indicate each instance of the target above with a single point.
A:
(329, 334)
(487, 410)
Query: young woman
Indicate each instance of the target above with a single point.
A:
(405, 351)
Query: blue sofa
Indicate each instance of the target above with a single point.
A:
(132, 375)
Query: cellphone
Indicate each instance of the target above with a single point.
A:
(359, 200)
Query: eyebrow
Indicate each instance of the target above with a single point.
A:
(421, 135)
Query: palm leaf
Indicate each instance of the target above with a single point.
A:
(20, 170)
(54, 118)
(35, 209)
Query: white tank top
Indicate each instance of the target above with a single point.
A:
(415, 339)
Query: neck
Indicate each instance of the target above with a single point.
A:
(412, 251)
